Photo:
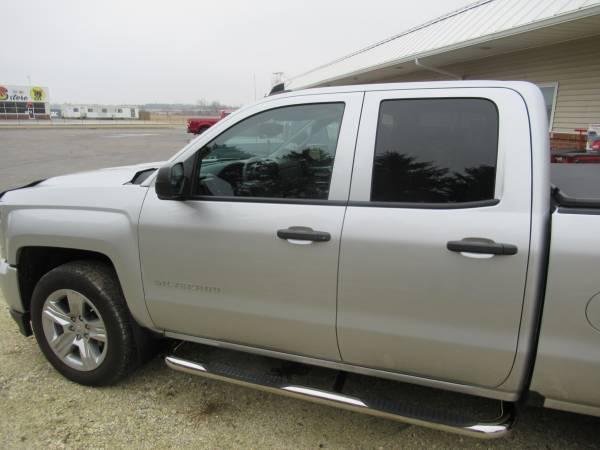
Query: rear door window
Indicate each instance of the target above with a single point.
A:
(435, 151)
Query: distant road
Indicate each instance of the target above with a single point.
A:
(27, 155)
(86, 123)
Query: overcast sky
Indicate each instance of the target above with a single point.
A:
(129, 51)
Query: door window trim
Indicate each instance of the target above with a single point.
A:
(423, 205)
(286, 201)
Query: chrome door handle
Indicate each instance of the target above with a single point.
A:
(303, 234)
(485, 247)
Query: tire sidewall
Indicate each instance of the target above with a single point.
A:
(62, 279)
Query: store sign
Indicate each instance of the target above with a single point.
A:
(23, 93)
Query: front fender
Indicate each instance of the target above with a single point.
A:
(111, 231)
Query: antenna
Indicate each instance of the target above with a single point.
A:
(276, 78)
(278, 89)
(277, 83)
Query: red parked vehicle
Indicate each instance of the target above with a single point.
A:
(199, 125)
(577, 156)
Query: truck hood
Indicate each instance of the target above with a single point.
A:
(111, 176)
(113, 189)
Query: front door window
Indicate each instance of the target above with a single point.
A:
(281, 153)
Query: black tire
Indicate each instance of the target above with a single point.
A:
(98, 282)
(202, 129)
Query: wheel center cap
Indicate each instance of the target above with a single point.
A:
(78, 327)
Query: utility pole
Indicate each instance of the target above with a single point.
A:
(29, 113)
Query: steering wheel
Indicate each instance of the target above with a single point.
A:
(255, 165)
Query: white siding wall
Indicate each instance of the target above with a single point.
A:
(574, 65)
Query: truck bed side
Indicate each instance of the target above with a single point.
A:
(567, 367)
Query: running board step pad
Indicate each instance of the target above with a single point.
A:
(367, 404)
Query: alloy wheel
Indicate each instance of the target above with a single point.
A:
(74, 329)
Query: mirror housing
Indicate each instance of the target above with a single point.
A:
(172, 182)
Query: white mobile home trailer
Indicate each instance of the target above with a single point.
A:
(127, 112)
(71, 112)
(100, 112)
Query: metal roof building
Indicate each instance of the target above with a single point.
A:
(554, 43)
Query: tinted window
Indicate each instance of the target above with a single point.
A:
(435, 151)
(282, 153)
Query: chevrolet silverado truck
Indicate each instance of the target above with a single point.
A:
(198, 125)
(402, 233)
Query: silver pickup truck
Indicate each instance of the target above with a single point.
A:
(405, 232)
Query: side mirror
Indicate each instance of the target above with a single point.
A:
(172, 182)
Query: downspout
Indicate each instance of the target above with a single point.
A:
(440, 71)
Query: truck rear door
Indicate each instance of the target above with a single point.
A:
(436, 235)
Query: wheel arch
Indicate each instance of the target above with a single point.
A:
(34, 262)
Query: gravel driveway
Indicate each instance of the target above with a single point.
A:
(160, 408)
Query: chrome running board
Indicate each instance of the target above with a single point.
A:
(439, 420)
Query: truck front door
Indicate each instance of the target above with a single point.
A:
(252, 258)
(436, 236)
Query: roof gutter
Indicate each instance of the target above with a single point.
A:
(436, 70)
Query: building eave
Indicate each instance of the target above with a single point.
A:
(576, 24)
